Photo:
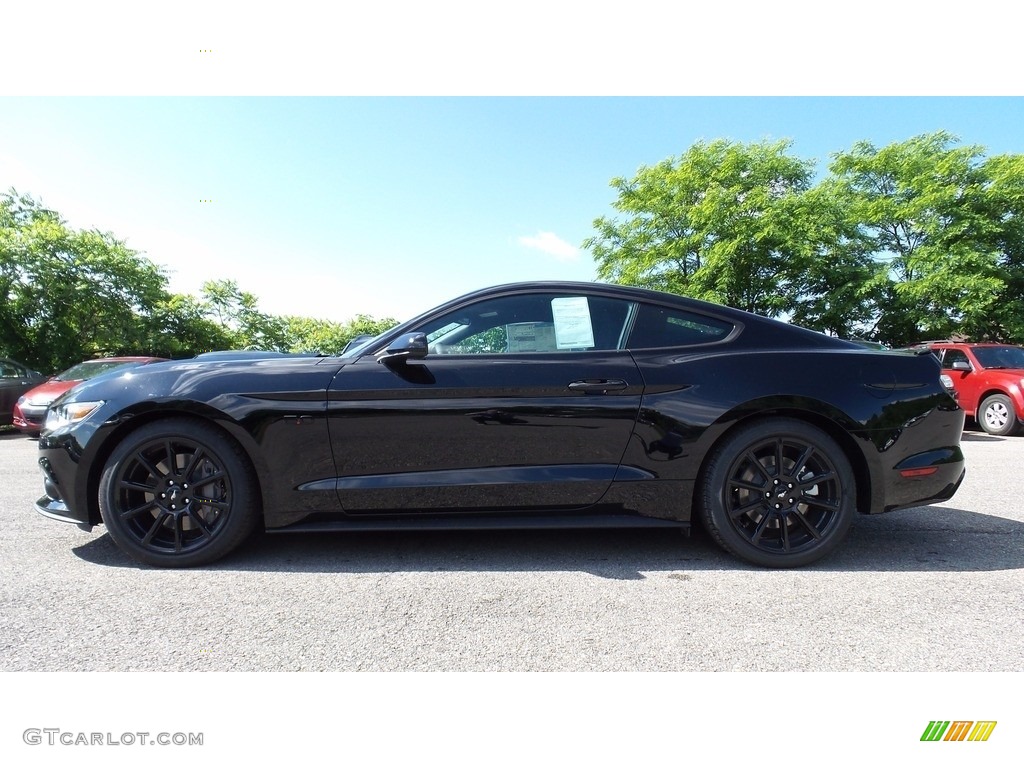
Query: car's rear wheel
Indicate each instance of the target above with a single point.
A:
(178, 492)
(996, 415)
(779, 493)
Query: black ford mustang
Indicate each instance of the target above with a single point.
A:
(521, 406)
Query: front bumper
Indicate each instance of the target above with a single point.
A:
(29, 419)
(58, 510)
(52, 504)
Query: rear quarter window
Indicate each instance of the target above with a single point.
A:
(665, 327)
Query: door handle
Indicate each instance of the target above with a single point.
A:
(598, 386)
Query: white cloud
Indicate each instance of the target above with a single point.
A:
(552, 244)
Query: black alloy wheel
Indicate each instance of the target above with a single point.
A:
(178, 492)
(778, 493)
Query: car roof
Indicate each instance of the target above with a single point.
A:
(610, 289)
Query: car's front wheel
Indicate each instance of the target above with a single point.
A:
(178, 492)
(996, 415)
(778, 492)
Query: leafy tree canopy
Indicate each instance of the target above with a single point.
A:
(67, 295)
(918, 239)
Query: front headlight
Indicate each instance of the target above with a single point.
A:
(70, 413)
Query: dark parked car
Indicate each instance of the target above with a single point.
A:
(30, 410)
(15, 380)
(533, 405)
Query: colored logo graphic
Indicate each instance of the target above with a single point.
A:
(958, 730)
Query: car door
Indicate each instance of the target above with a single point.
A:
(14, 382)
(522, 401)
(965, 382)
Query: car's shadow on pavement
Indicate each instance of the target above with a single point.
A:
(982, 437)
(13, 434)
(928, 539)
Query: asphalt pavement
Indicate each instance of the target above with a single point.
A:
(937, 588)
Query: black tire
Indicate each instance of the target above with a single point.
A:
(178, 493)
(779, 493)
(996, 415)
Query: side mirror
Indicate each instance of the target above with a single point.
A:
(961, 365)
(409, 346)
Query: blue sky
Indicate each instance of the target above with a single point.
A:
(333, 206)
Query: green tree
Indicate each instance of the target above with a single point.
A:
(831, 265)
(180, 327)
(917, 239)
(1005, 191)
(935, 223)
(69, 294)
(738, 224)
(237, 311)
(326, 337)
(241, 324)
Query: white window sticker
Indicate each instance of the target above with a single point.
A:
(530, 337)
(573, 328)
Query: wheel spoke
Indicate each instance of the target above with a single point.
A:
(817, 479)
(778, 457)
(130, 513)
(755, 537)
(784, 527)
(199, 482)
(752, 459)
(802, 461)
(171, 463)
(133, 486)
(200, 524)
(211, 502)
(154, 528)
(748, 486)
(827, 504)
(177, 533)
(193, 463)
(739, 512)
(140, 457)
(807, 525)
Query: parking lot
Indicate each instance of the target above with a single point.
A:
(930, 589)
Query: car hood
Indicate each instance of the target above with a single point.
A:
(1001, 373)
(204, 380)
(46, 393)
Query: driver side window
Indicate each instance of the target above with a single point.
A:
(528, 323)
(10, 371)
(954, 356)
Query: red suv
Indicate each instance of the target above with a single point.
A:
(988, 379)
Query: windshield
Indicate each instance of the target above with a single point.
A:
(91, 368)
(358, 344)
(1000, 357)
